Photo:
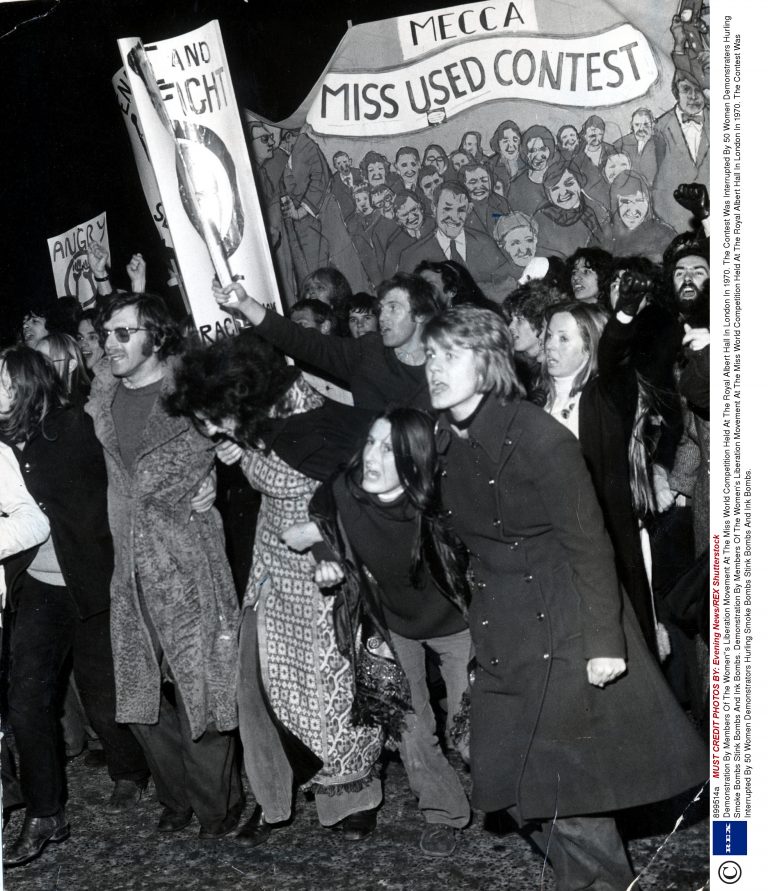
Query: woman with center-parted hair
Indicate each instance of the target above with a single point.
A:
(635, 229)
(569, 218)
(571, 720)
(389, 544)
(60, 602)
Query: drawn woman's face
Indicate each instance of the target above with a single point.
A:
(615, 164)
(633, 209)
(566, 193)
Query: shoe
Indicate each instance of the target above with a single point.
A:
(174, 821)
(126, 795)
(95, 759)
(438, 840)
(34, 836)
(255, 832)
(225, 826)
(357, 826)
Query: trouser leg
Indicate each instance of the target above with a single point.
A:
(454, 652)
(95, 678)
(432, 779)
(40, 642)
(586, 853)
(212, 771)
(162, 747)
(199, 774)
(266, 765)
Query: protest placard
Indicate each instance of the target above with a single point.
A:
(186, 108)
(69, 258)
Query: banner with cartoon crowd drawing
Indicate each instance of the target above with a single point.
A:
(492, 133)
(69, 258)
(188, 126)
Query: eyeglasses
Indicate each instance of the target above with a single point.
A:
(267, 139)
(122, 334)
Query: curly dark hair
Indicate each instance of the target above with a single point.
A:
(601, 263)
(531, 302)
(239, 377)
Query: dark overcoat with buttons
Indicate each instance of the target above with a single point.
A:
(546, 599)
(178, 558)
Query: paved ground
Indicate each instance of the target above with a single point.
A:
(113, 854)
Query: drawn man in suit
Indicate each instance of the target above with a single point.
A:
(643, 147)
(303, 186)
(451, 240)
(343, 181)
(684, 130)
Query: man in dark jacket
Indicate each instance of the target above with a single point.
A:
(381, 369)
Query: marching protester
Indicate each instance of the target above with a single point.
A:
(565, 688)
(382, 523)
(59, 595)
(174, 609)
(295, 700)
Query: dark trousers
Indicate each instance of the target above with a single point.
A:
(586, 853)
(201, 774)
(46, 628)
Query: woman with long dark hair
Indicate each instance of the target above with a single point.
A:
(404, 570)
(565, 691)
(59, 595)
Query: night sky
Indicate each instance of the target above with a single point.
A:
(66, 155)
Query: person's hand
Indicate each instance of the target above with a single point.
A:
(301, 536)
(665, 496)
(229, 452)
(634, 291)
(328, 573)
(203, 499)
(677, 31)
(290, 211)
(137, 273)
(97, 258)
(603, 670)
(694, 197)
(696, 338)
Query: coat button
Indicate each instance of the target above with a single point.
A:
(27, 465)
(474, 443)
(507, 442)
(481, 585)
(545, 656)
(449, 513)
(491, 482)
(484, 622)
(514, 546)
(494, 662)
(528, 577)
(540, 616)
(497, 522)
(444, 473)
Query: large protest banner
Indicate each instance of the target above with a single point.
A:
(69, 258)
(141, 153)
(516, 87)
(185, 103)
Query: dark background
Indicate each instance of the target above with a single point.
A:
(66, 155)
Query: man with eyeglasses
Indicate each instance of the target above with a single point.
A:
(174, 609)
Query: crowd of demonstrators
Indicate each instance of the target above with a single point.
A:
(497, 465)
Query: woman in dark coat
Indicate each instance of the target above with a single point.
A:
(59, 595)
(570, 716)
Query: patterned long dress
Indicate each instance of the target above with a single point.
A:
(307, 680)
